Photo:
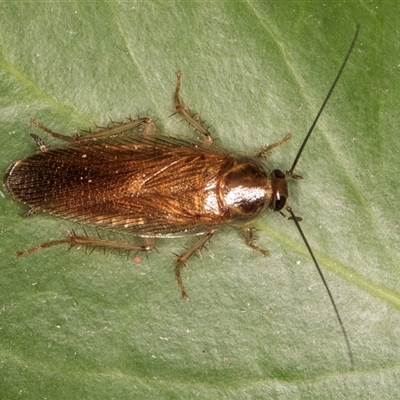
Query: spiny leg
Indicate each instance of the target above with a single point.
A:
(39, 142)
(28, 213)
(194, 121)
(249, 237)
(265, 150)
(184, 257)
(147, 123)
(72, 239)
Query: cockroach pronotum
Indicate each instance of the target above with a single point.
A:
(128, 178)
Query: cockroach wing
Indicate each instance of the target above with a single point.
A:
(146, 186)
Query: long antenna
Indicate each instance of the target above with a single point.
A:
(346, 338)
(290, 172)
(296, 219)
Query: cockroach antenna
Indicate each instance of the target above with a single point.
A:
(303, 145)
(290, 174)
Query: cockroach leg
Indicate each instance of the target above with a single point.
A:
(147, 123)
(179, 280)
(265, 150)
(149, 243)
(28, 213)
(250, 237)
(50, 132)
(149, 128)
(39, 142)
(72, 239)
(182, 259)
(193, 120)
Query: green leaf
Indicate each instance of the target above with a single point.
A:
(101, 326)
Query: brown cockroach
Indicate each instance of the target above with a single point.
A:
(129, 178)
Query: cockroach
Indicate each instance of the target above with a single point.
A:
(128, 178)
